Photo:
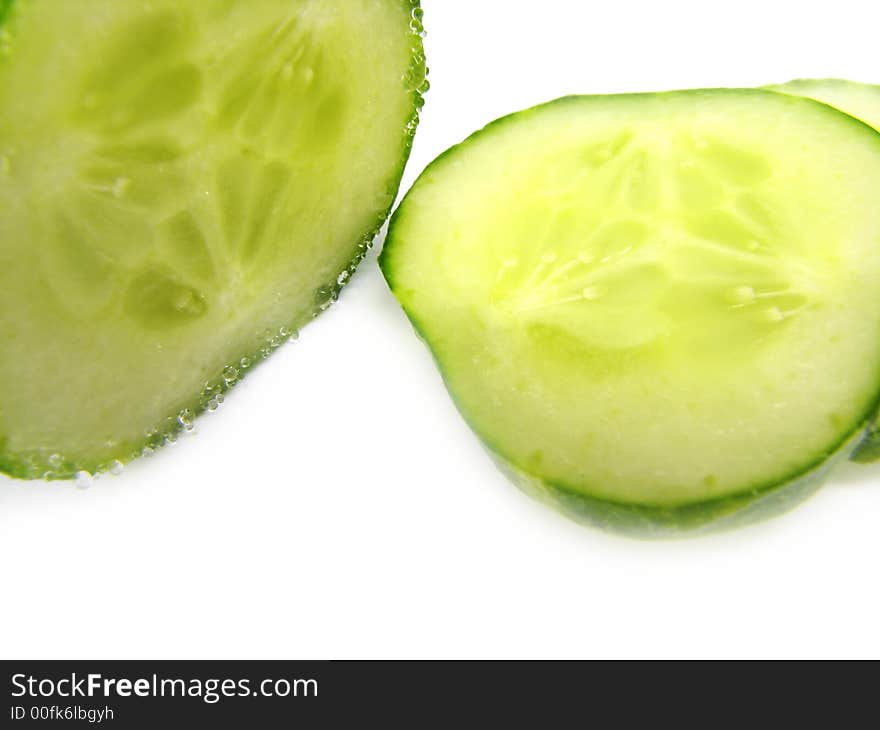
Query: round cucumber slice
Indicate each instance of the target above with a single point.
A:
(182, 186)
(861, 101)
(658, 311)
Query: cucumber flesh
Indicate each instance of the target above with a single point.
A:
(182, 186)
(659, 311)
(861, 101)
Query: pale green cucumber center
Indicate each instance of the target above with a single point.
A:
(679, 241)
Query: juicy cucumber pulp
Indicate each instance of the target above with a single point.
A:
(658, 311)
(183, 184)
(861, 101)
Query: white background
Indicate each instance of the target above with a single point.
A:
(337, 506)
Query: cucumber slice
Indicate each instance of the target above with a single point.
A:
(182, 186)
(658, 311)
(861, 101)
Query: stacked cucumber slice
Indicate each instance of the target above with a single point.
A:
(861, 101)
(183, 184)
(658, 311)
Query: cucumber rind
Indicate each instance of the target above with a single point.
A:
(755, 504)
(33, 465)
(868, 449)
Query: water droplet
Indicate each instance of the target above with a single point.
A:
(83, 479)
(342, 278)
(147, 452)
(324, 297)
(230, 374)
(212, 405)
(55, 460)
(294, 335)
(741, 295)
(425, 87)
(185, 419)
(245, 362)
(773, 314)
(185, 300)
(116, 467)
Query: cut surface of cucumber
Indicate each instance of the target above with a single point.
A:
(658, 311)
(183, 184)
(861, 101)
